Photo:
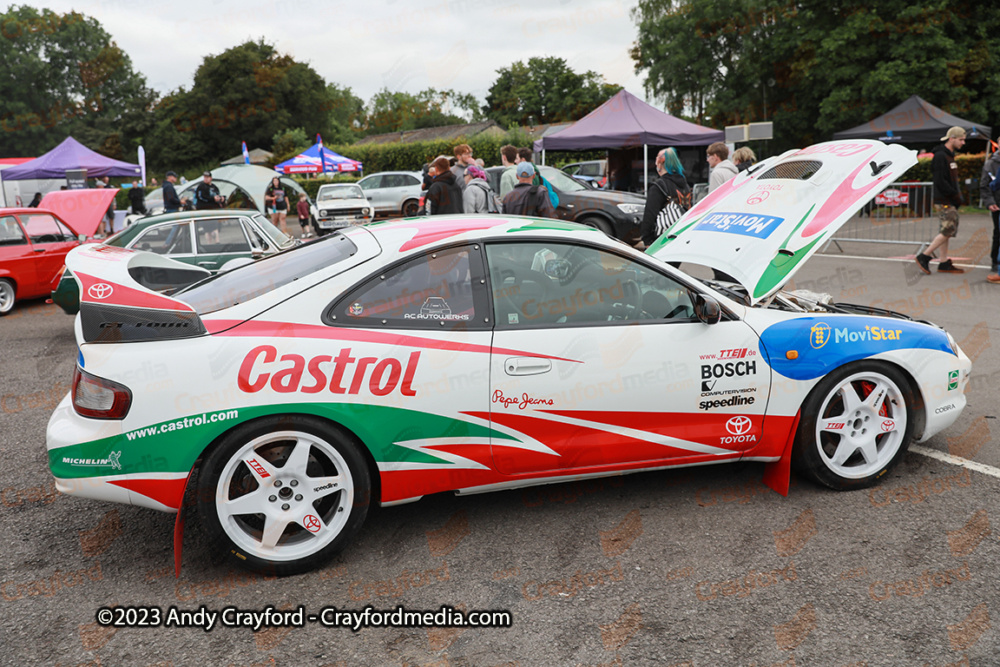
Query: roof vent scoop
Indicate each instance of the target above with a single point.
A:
(878, 169)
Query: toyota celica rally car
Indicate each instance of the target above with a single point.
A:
(475, 353)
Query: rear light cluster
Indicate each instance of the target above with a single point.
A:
(98, 398)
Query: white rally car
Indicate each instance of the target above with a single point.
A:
(473, 353)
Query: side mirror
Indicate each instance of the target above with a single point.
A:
(256, 253)
(81, 237)
(707, 309)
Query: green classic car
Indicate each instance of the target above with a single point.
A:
(209, 239)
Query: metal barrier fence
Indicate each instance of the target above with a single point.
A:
(902, 213)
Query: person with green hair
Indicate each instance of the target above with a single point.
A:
(666, 188)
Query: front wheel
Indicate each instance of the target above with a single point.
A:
(284, 494)
(7, 296)
(854, 426)
(411, 207)
(600, 224)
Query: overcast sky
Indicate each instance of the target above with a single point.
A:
(397, 44)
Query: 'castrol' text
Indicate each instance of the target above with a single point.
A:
(261, 367)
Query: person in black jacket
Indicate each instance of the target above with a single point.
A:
(444, 195)
(171, 202)
(991, 167)
(137, 198)
(671, 180)
(947, 199)
(527, 197)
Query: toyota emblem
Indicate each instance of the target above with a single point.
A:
(311, 522)
(888, 425)
(738, 425)
(100, 291)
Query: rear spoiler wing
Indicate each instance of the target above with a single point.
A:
(119, 301)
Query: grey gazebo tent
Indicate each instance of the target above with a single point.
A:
(915, 122)
(626, 121)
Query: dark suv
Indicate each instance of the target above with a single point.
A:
(617, 214)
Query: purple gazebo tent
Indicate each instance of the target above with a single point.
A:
(626, 121)
(70, 154)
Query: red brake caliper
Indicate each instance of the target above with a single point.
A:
(867, 388)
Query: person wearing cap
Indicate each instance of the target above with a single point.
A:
(478, 193)
(171, 202)
(947, 199)
(444, 194)
(207, 195)
(526, 198)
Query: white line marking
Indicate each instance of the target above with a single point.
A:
(956, 460)
(889, 259)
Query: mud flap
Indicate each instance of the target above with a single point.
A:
(778, 473)
(179, 531)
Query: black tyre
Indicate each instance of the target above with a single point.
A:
(411, 207)
(600, 224)
(283, 494)
(7, 296)
(855, 426)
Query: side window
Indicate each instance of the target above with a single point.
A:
(392, 181)
(546, 284)
(220, 235)
(43, 228)
(172, 239)
(443, 289)
(409, 180)
(371, 182)
(11, 232)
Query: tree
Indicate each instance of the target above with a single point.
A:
(64, 76)
(390, 111)
(247, 93)
(545, 90)
(817, 67)
(347, 114)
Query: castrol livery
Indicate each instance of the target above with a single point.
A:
(391, 361)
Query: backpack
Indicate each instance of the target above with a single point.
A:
(675, 207)
(493, 203)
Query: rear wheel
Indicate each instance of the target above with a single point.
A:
(7, 296)
(284, 494)
(855, 426)
(410, 208)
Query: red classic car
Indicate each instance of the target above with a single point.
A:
(34, 241)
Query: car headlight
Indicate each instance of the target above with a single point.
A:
(324, 212)
(365, 211)
(953, 345)
(631, 209)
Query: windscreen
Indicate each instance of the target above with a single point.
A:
(264, 275)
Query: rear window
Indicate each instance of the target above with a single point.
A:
(264, 275)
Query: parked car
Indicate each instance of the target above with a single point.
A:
(393, 192)
(342, 205)
(209, 239)
(391, 361)
(594, 172)
(34, 241)
(33, 247)
(617, 214)
(242, 185)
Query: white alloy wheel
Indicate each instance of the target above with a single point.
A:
(7, 296)
(286, 493)
(855, 425)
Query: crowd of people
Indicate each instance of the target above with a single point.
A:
(459, 184)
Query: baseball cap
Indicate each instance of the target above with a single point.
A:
(207, 173)
(525, 169)
(172, 173)
(954, 133)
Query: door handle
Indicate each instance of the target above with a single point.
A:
(207, 265)
(526, 366)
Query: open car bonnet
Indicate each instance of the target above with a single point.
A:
(82, 210)
(761, 225)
